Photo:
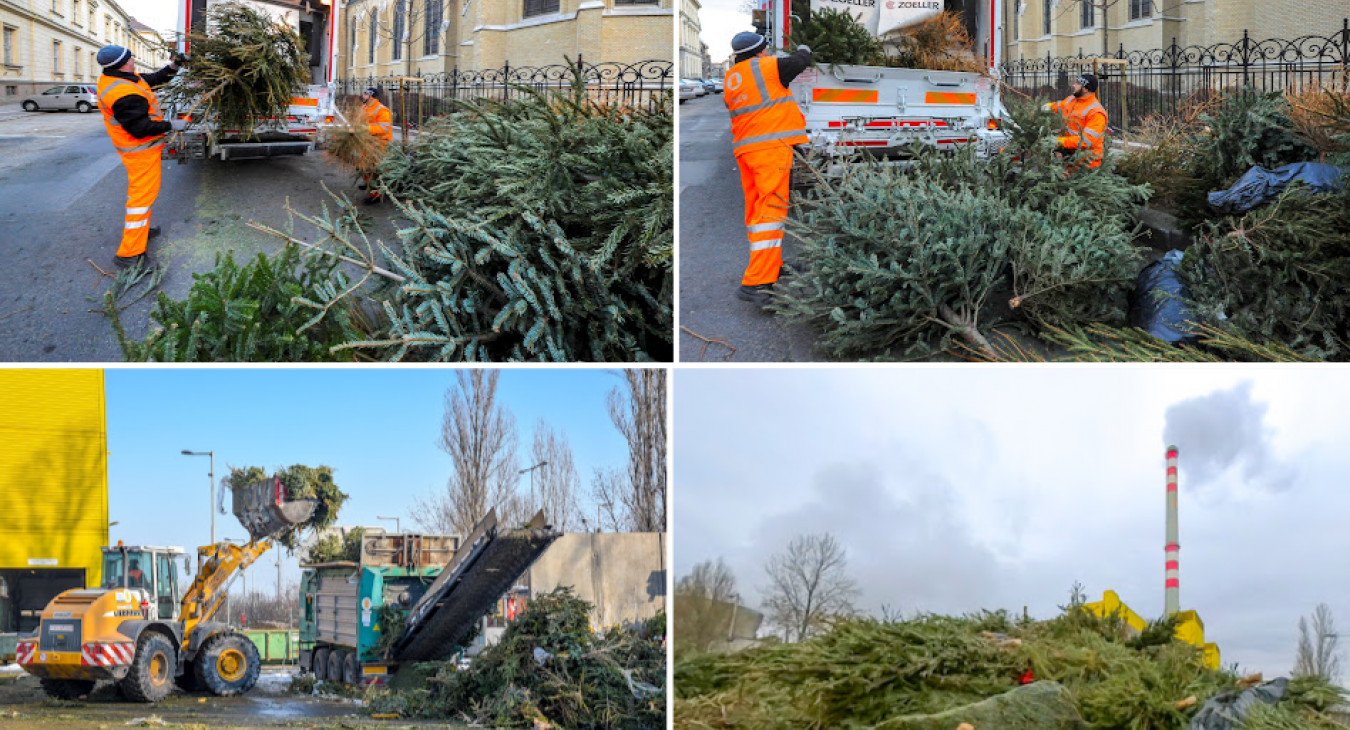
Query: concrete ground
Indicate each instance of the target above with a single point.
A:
(24, 706)
(62, 195)
(714, 251)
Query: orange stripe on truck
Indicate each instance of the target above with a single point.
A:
(844, 95)
(315, 102)
(947, 97)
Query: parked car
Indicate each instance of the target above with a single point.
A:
(717, 85)
(698, 86)
(80, 97)
(711, 86)
(689, 89)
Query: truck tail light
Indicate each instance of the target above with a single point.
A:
(995, 124)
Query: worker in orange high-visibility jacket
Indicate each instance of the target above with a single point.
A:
(765, 124)
(380, 122)
(1086, 119)
(137, 130)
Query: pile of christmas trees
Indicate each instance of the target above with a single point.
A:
(903, 261)
(299, 482)
(540, 228)
(1277, 274)
(939, 43)
(549, 670)
(1074, 672)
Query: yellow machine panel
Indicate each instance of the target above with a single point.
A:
(53, 470)
(1190, 628)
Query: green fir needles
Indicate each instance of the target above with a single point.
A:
(245, 69)
(550, 670)
(902, 261)
(541, 229)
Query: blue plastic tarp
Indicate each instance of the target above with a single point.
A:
(1260, 186)
(1158, 302)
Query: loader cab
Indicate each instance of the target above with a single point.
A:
(153, 570)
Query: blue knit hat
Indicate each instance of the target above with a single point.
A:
(112, 56)
(747, 42)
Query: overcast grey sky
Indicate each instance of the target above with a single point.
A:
(719, 20)
(162, 15)
(955, 489)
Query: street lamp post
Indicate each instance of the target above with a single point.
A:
(397, 530)
(212, 506)
(530, 471)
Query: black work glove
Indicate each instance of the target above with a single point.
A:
(180, 60)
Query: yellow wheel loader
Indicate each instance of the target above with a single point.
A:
(145, 630)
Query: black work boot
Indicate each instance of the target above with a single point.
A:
(791, 267)
(758, 295)
(126, 262)
(154, 232)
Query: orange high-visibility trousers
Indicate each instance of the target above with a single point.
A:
(764, 179)
(142, 189)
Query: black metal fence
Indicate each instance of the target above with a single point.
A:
(419, 97)
(1161, 81)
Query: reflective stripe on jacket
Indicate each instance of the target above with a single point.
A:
(1086, 119)
(379, 120)
(112, 89)
(763, 112)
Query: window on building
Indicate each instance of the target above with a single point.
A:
(107, 28)
(400, 24)
(1047, 22)
(431, 34)
(93, 18)
(11, 38)
(1016, 24)
(541, 7)
(1087, 17)
(635, 2)
(351, 45)
(56, 6)
(1140, 9)
(56, 57)
(374, 25)
(93, 64)
(77, 61)
(75, 12)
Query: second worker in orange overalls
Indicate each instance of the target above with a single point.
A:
(137, 129)
(1086, 119)
(765, 124)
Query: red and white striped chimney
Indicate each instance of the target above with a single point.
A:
(1173, 549)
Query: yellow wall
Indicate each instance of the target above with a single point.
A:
(53, 470)
(1190, 628)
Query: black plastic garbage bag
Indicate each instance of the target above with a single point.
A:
(1260, 186)
(1158, 302)
(1227, 710)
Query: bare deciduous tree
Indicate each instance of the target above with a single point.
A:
(704, 601)
(635, 499)
(808, 583)
(556, 484)
(1319, 652)
(479, 434)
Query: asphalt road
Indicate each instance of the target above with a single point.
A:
(62, 196)
(714, 251)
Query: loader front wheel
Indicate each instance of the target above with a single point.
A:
(229, 665)
(67, 689)
(150, 678)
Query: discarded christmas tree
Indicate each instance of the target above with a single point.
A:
(298, 482)
(901, 261)
(245, 68)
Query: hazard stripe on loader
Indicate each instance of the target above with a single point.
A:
(947, 97)
(854, 96)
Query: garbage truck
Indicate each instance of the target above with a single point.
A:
(409, 598)
(146, 629)
(310, 111)
(882, 110)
